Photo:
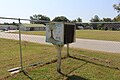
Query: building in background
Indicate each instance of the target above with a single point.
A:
(33, 27)
(24, 27)
(112, 26)
(8, 27)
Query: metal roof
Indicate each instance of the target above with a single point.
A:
(33, 25)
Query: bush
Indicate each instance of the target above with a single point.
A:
(106, 28)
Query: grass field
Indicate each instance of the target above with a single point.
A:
(87, 34)
(83, 64)
(99, 35)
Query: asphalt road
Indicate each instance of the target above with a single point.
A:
(98, 45)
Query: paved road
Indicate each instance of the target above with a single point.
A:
(99, 45)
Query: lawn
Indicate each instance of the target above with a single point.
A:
(86, 34)
(42, 33)
(83, 64)
(99, 35)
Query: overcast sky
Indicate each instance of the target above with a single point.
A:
(72, 9)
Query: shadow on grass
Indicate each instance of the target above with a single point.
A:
(77, 68)
(107, 66)
(26, 74)
(74, 77)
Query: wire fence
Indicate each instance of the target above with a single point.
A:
(15, 53)
(21, 45)
(20, 51)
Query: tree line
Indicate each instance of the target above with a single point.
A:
(36, 17)
(96, 18)
(65, 19)
(56, 19)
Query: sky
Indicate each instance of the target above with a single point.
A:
(72, 9)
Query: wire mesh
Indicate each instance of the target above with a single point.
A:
(96, 43)
(31, 48)
(9, 52)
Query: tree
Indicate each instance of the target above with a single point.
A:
(106, 28)
(107, 20)
(117, 7)
(74, 21)
(39, 17)
(117, 18)
(61, 19)
(79, 19)
(95, 19)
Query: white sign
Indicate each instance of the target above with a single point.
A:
(55, 33)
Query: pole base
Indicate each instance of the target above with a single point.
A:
(59, 70)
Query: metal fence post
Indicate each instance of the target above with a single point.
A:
(20, 42)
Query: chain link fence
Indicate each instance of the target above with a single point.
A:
(9, 52)
(21, 46)
(20, 51)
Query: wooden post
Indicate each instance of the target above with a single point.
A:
(68, 50)
(59, 49)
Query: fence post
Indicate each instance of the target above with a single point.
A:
(59, 49)
(20, 42)
(68, 50)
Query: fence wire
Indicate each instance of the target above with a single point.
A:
(9, 52)
(32, 50)
(103, 38)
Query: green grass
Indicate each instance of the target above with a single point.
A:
(99, 35)
(83, 67)
(87, 34)
(42, 33)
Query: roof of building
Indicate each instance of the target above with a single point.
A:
(33, 25)
(6, 25)
(25, 25)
